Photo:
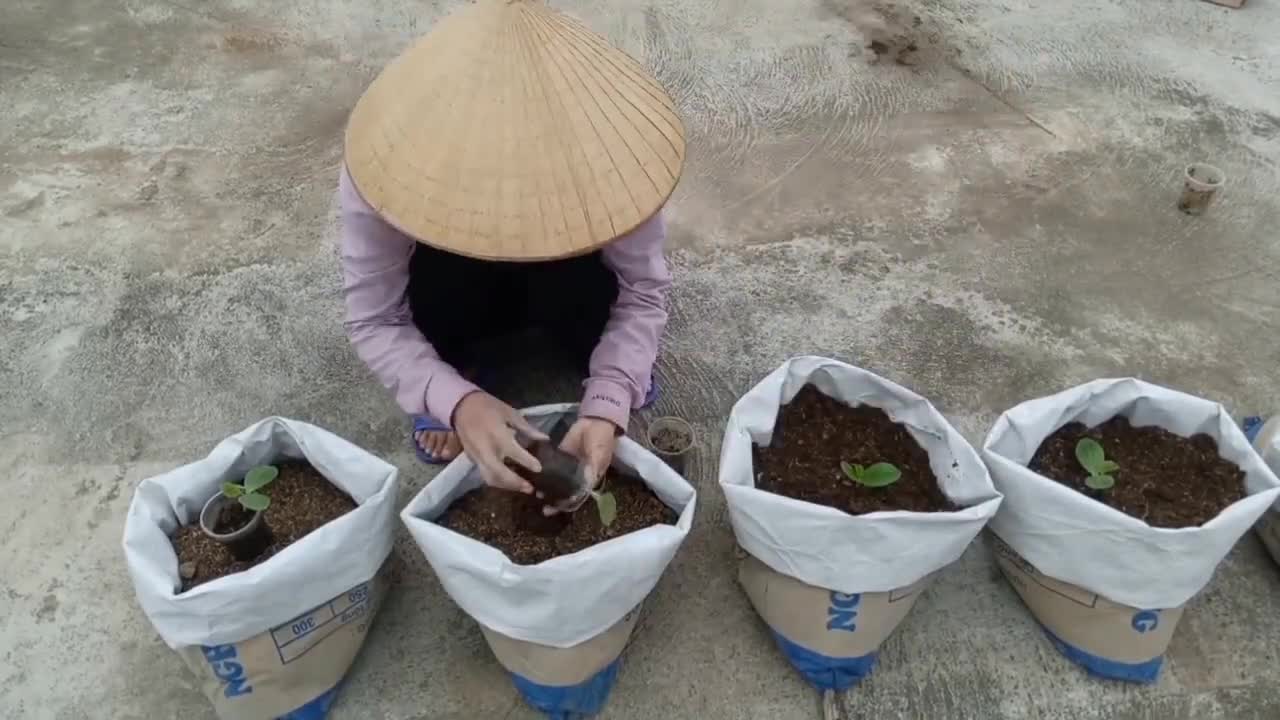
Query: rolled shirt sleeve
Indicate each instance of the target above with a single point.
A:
(375, 276)
(621, 367)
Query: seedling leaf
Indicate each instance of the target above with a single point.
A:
(1094, 459)
(260, 477)
(232, 490)
(1090, 454)
(1100, 482)
(880, 475)
(876, 476)
(607, 506)
(255, 502)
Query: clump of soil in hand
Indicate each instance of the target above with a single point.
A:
(301, 501)
(559, 479)
(815, 433)
(515, 524)
(670, 441)
(1164, 479)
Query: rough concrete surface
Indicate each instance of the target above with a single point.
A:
(986, 218)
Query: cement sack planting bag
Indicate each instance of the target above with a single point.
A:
(273, 641)
(1265, 435)
(559, 627)
(833, 586)
(1109, 588)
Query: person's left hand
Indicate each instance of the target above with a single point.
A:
(593, 441)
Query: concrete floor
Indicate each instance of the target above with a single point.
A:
(990, 222)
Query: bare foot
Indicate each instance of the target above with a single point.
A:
(440, 444)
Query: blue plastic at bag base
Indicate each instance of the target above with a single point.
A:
(565, 682)
(571, 701)
(1107, 639)
(830, 638)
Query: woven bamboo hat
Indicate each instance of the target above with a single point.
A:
(512, 132)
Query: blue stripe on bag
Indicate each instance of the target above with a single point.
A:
(559, 701)
(1142, 672)
(317, 709)
(826, 673)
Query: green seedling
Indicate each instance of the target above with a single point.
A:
(874, 476)
(606, 506)
(249, 494)
(1094, 459)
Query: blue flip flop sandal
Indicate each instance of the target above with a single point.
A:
(426, 423)
(1251, 427)
(652, 396)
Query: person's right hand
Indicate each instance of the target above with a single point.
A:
(486, 426)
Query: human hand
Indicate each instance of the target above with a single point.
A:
(593, 441)
(486, 426)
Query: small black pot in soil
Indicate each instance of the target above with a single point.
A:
(244, 532)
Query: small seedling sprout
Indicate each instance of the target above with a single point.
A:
(879, 475)
(1094, 460)
(249, 494)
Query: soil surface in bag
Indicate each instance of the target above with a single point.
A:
(814, 434)
(1164, 479)
(301, 501)
(514, 522)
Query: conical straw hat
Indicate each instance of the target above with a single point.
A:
(512, 132)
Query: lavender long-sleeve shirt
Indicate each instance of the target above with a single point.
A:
(375, 269)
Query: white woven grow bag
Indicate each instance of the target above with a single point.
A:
(830, 585)
(277, 638)
(1108, 587)
(559, 626)
(1267, 443)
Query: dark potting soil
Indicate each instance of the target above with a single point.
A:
(559, 479)
(1164, 479)
(670, 440)
(514, 523)
(815, 433)
(301, 501)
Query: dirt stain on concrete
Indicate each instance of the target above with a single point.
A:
(48, 609)
(252, 41)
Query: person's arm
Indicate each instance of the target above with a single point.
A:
(375, 272)
(622, 364)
